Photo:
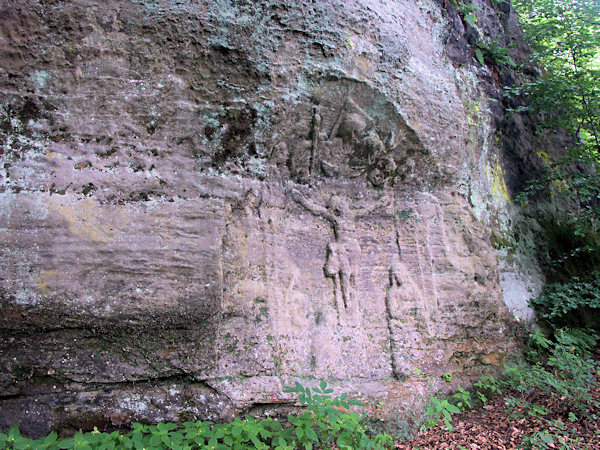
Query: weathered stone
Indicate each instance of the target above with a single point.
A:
(201, 201)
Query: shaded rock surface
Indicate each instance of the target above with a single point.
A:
(202, 201)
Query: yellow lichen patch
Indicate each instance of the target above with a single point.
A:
(84, 219)
(555, 185)
(494, 358)
(53, 155)
(363, 64)
(545, 157)
(496, 177)
(44, 279)
(559, 186)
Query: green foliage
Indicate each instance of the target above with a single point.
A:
(561, 299)
(559, 367)
(327, 422)
(488, 50)
(406, 215)
(565, 38)
(574, 183)
(401, 429)
(564, 372)
(471, 19)
(463, 399)
(538, 440)
(467, 10)
(488, 384)
(439, 409)
(493, 52)
(556, 435)
(519, 408)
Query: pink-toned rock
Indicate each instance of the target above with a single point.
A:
(203, 201)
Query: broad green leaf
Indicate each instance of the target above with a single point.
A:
(471, 19)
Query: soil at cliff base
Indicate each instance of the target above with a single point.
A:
(498, 426)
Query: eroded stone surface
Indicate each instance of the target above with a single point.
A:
(202, 201)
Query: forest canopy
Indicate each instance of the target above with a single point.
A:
(564, 36)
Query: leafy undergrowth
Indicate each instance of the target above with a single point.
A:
(326, 423)
(499, 426)
(551, 403)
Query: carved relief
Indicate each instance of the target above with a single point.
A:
(407, 315)
(343, 254)
(346, 141)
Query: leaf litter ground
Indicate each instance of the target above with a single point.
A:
(498, 426)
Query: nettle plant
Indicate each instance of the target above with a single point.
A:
(327, 422)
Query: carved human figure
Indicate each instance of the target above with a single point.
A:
(402, 283)
(353, 142)
(368, 154)
(343, 254)
(315, 137)
(407, 315)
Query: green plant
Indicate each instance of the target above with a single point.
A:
(555, 435)
(538, 440)
(467, 10)
(418, 372)
(487, 386)
(403, 428)
(519, 408)
(438, 409)
(565, 39)
(560, 299)
(447, 377)
(463, 399)
(565, 371)
(493, 52)
(327, 422)
(405, 215)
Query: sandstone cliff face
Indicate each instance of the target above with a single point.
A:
(202, 201)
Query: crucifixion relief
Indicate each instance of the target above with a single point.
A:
(343, 253)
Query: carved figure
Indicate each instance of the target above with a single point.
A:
(353, 141)
(401, 280)
(403, 297)
(343, 254)
(368, 153)
(315, 138)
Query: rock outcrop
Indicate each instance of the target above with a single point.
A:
(202, 201)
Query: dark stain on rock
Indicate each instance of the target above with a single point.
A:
(239, 131)
(88, 189)
(70, 424)
(83, 165)
(29, 111)
(209, 131)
